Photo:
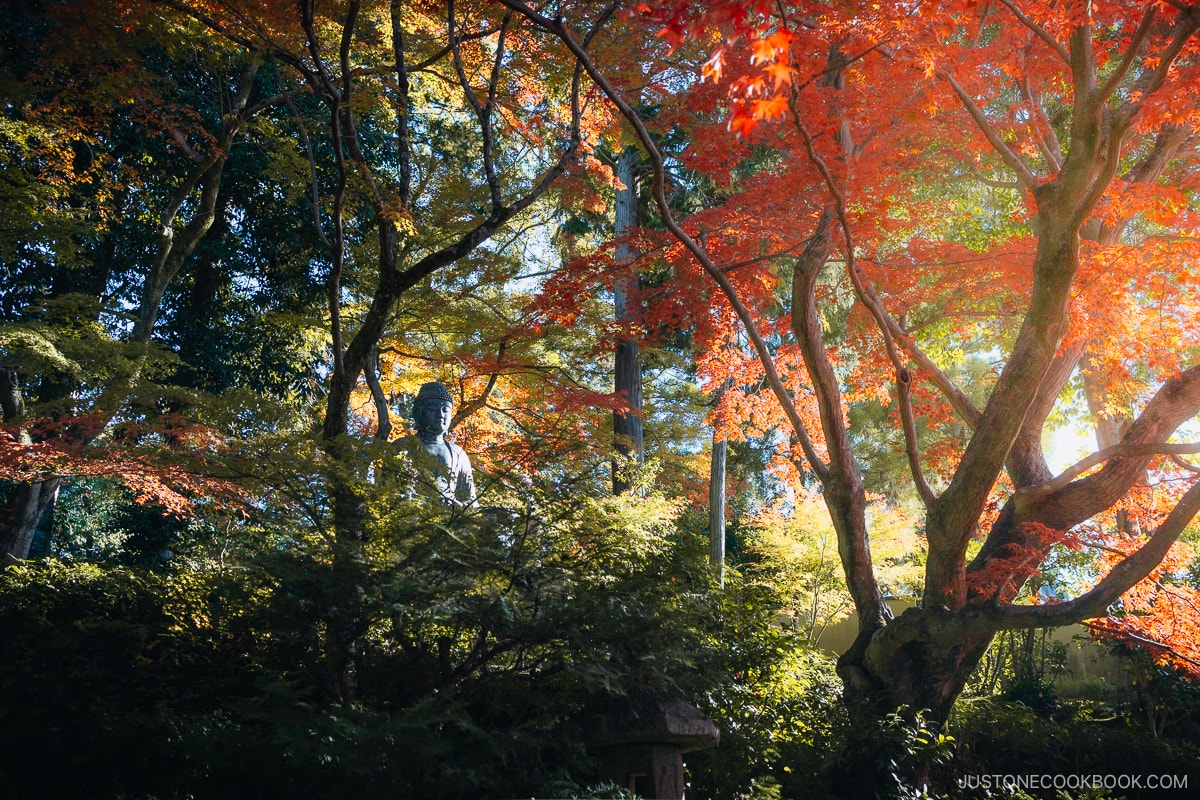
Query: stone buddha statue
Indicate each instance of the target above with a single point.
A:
(443, 471)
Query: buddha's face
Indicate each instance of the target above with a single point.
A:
(433, 416)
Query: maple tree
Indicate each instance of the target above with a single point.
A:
(1061, 138)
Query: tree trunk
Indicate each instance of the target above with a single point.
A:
(628, 431)
(31, 508)
(920, 677)
(716, 507)
(716, 493)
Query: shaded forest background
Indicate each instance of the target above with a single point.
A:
(235, 240)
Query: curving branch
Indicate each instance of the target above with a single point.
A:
(1038, 30)
(1014, 162)
(483, 111)
(315, 193)
(1032, 494)
(842, 486)
(1151, 81)
(176, 246)
(1185, 464)
(1176, 400)
(1136, 42)
(911, 446)
(1047, 139)
(471, 406)
(865, 291)
(403, 134)
(944, 627)
(1122, 577)
(379, 398)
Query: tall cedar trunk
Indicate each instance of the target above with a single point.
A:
(628, 431)
(716, 493)
(716, 507)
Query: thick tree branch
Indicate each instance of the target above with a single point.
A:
(379, 398)
(911, 446)
(1119, 580)
(1033, 494)
(175, 247)
(1151, 81)
(939, 626)
(1175, 402)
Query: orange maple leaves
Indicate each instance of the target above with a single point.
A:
(172, 464)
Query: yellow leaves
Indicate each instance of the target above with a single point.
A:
(796, 545)
(928, 63)
(37, 348)
(402, 219)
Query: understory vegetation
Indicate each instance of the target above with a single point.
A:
(414, 399)
(189, 659)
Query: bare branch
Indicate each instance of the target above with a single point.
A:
(1162, 646)
(1183, 464)
(470, 407)
(904, 388)
(962, 404)
(483, 111)
(371, 372)
(403, 135)
(1047, 139)
(312, 166)
(187, 149)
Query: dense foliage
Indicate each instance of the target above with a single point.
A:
(867, 262)
(484, 646)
